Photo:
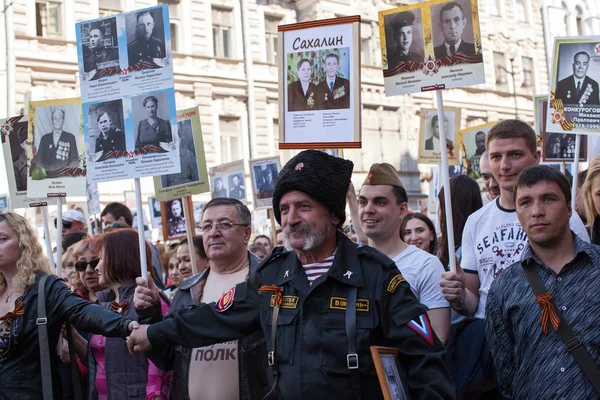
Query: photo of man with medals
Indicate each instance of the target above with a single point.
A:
(57, 149)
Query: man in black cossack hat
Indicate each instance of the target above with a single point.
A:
(320, 300)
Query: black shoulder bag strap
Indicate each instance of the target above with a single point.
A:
(572, 342)
(352, 356)
(75, 378)
(42, 324)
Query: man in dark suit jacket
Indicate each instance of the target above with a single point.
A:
(333, 92)
(433, 143)
(57, 149)
(579, 88)
(452, 24)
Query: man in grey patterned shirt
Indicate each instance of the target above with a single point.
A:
(532, 364)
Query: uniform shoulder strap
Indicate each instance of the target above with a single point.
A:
(42, 324)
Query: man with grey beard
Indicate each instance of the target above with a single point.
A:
(320, 300)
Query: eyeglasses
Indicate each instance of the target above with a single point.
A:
(221, 226)
(81, 266)
(65, 224)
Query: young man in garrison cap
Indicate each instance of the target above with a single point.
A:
(402, 31)
(320, 300)
(382, 203)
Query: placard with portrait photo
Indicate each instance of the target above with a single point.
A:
(56, 154)
(429, 138)
(431, 45)
(472, 144)
(390, 374)
(155, 213)
(227, 180)
(193, 178)
(264, 173)
(319, 84)
(574, 102)
(125, 54)
(173, 219)
(14, 138)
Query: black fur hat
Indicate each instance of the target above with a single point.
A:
(323, 177)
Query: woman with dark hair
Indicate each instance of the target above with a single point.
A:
(418, 230)
(302, 94)
(185, 260)
(153, 130)
(130, 377)
(22, 267)
(466, 199)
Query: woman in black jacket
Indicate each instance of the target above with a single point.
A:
(22, 265)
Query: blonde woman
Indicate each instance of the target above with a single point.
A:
(591, 196)
(22, 264)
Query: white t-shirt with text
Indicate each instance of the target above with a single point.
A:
(493, 239)
(423, 272)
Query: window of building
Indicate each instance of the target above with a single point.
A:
(49, 18)
(581, 31)
(222, 23)
(109, 7)
(494, 7)
(500, 69)
(231, 142)
(366, 43)
(527, 63)
(521, 11)
(174, 21)
(271, 37)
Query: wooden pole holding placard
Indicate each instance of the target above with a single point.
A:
(446, 183)
(59, 229)
(273, 227)
(575, 171)
(140, 227)
(44, 210)
(188, 215)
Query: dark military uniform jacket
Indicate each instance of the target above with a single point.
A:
(300, 101)
(237, 193)
(145, 50)
(63, 155)
(336, 98)
(159, 131)
(219, 193)
(397, 57)
(587, 94)
(189, 170)
(114, 140)
(464, 48)
(176, 226)
(311, 343)
(102, 58)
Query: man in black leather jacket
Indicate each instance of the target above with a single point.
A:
(251, 350)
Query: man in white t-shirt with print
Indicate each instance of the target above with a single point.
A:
(493, 238)
(382, 205)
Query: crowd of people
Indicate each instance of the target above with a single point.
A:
(296, 319)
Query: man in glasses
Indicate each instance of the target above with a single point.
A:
(73, 221)
(226, 229)
(321, 301)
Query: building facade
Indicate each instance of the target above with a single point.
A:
(226, 63)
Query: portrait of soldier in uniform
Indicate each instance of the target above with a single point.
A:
(57, 149)
(333, 90)
(187, 158)
(176, 223)
(402, 32)
(110, 137)
(148, 46)
(96, 55)
(237, 191)
(18, 148)
(480, 149)
(579, 88)
(152, 130)
(219, 189)
(452, 23)
(264, 180)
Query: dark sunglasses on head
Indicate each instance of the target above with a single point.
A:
(65, 224)
(82, 265)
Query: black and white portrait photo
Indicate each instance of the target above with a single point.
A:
(578, 77)
(561, 147)
(237, 188)
(18, 149)
(187, 158)
(3, 202)
(452, 29)
(218, 187)
(106, 129)
(404, 38)
(99, 46)
(392, 377)
(155, 212)
(151, 118)
(146, 38)
(56, 139)
(432, 133)
(175, 222)
(264, 179)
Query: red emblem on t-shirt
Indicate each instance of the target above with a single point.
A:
(226, 300)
